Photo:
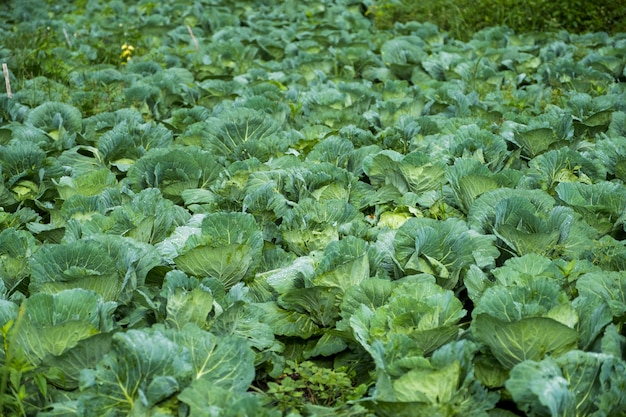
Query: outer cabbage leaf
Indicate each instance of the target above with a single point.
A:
(64, 370)
(402, 53)
(142, 369)
(445, 249)
(335, 150)
(17, 248)
(104, 121)
(602, 205)
(83, 264)
(523, 270)
(21, 160)
(608, 253)
(312, 225)
(605, 287)
(593, 317)
(345, 264)
(372, 293)
(419, 315)
(57, 119)
(112, 266)
(469, 179)
(288, 322)
(536, 141)
(79, 208)
(226, 361)
(285, 277)
(246, 321)
(521, 229)
(576, 383)
(208, 400)
(129, 140)
(174, 170)
(319, 303)
(148, 217)
(489, 149)
(50, 324)
(482, 212)
(611, 152)
(531, 338)
(535, 297)
(445, 385)
(227, 246)
(242, 133)
(187, 300)
(564, 165)
(89, 183)
(414, 172)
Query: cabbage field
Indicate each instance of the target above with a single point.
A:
(273, 208)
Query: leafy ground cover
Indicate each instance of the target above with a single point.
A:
(271, 208)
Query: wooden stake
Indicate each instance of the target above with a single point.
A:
(193, 38)
(7, 80)
(67, 38)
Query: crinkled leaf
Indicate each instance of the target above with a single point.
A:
(228, 362)
(608, 287)
(288, 322)
(68, 366)
(125, 376)
(50, 324)
(527, 339)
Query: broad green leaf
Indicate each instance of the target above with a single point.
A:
(207, 400)
(444, 385)
(51, 324)
(287, 322)
(419, 313)
(608, 287)
(539, 388)
(445, 249)
(88, 184)
(64, 370)
(228, 362)
(17, 248)
(59, 120)
(536, 141)
(319, 303)
(592, 319)
(564, 165)
(229, 263)
(428, 385)
(345, 264)
(482, 213)
(527, 339)
(575, 383)
(148, 217)
(469, 179)
(242, 133)
(328, 345)
(228, 247)
(602, 204)
(21, 160)
(188, 307)
(142, 369)
(372, 293)
(244, 320)
(110, 265)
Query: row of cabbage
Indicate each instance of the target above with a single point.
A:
(442, 221)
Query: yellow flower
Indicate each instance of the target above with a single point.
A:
(127, 51)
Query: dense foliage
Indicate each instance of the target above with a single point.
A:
(235, 208)
(463, 18)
